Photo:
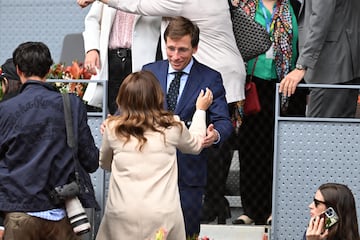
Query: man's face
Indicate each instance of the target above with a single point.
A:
(179, 52)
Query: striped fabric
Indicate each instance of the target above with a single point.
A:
(122, 30)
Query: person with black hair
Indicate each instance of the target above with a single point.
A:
(340, 222)
(34, 155)
(10, 81)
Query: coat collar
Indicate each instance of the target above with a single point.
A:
(30, 82)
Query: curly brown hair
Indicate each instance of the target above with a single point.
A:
(141, 104)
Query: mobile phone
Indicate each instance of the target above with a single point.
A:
(330, 217)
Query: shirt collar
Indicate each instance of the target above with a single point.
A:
(185, 70)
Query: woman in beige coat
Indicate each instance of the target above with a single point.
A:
(139, 148)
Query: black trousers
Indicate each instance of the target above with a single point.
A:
(256, 150)
(218, 165)
(120, 67)
(219, 161)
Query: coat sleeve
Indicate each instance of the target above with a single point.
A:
(92, 30)
(218, 112)
(321, 17)
(88, 153)
(191, 139)
(165, 8)
(106, 153)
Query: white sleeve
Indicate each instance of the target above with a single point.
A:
(166, 8)
(106, 153)
(191, 139)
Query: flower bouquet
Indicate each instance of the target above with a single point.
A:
(74, 72)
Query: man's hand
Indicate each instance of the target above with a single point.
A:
(289, 83)
(211, 136)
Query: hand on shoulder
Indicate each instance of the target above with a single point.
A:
(204, 100)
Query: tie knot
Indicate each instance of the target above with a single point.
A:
(178, 74)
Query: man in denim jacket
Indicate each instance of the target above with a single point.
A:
(34, 155)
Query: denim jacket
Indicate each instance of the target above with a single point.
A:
(34, 155)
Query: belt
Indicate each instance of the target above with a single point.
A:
(120, 52)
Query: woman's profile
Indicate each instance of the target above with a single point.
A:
(333, 214)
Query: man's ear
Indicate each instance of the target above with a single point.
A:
(194, 50)
(20, 74)
(18, 70)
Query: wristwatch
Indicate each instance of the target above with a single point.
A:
(300, 67)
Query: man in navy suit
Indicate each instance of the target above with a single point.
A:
(182, 38)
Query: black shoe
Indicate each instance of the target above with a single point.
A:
(269, 220)
(212, 211)
(238, 221)
(208, 213)
(223, 215)
(243, 219)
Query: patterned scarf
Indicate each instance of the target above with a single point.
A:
(282, 34)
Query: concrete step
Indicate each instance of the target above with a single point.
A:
(233, 232)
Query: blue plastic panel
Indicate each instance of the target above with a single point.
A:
(308, 153)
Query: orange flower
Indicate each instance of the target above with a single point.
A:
(75, 71)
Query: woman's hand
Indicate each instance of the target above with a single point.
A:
(204, 100)
(315, 230)
(103, 125)
(92, 61)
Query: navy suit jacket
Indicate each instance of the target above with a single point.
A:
(193, 168)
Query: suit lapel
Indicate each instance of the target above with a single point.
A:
(162, 77)
(191, 88)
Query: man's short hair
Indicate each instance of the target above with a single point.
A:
(179, 27)
(33, 59)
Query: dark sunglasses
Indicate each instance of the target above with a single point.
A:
(317, 202)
